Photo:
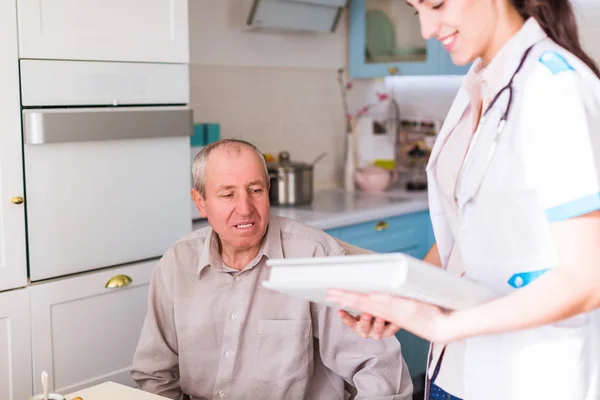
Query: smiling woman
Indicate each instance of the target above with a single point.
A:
(506, 210)
(231, 190)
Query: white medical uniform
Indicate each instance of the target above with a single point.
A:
(544, 169)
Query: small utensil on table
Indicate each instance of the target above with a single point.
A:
(45, 384)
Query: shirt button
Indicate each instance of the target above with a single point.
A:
(227, 354)
(221, 393)
(238, 278)
(233, 316)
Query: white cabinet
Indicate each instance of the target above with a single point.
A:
(15, 345)
(107, 30)
(84, 333)
(13, 268)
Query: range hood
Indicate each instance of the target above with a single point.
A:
(298, 15)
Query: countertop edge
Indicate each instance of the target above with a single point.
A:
(361, 216)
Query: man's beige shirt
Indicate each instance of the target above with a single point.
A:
(213, 332)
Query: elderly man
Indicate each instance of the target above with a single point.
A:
(213, 331)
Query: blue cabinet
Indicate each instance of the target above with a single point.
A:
(385, 39)
(408, 233)
(411, 234)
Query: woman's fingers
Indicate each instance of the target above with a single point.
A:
(422, 319)
(348, 319)
(387, 307)
(364, 325)
(347, 299)
(368, 326)
(390, 330)
(377, 329)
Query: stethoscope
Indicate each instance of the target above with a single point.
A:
(462, 195)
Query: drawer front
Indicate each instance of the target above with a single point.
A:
(405, 233)
(85, 328)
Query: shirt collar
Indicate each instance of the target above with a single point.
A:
(271, 247)
(503, 66)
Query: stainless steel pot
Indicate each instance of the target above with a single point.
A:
(291, 182)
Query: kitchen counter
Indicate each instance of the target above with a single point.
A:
(333, 208)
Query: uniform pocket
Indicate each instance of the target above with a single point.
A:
(284, 354)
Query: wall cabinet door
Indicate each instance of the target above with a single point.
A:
(111, 30)
(85, 333)
(13, 267)
(15, 346)
(385, 39)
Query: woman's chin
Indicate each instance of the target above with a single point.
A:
(461, 59)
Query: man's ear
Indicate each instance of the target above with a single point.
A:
(199, 202)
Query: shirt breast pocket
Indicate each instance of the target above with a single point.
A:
(284, 354)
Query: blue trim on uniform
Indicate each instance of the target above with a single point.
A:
(437, 393)
(522, 279)
(555, 62)
(574, 208)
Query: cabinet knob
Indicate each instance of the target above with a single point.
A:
(381, 226)
(17, 200)
(118, 281)
(393, 70)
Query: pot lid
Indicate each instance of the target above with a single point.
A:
(286, 164)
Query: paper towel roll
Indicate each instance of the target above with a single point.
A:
(373, 146)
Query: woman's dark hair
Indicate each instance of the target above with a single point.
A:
(557, 19)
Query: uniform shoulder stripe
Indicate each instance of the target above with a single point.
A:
(555, 62)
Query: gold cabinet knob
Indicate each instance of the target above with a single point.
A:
(381, 226)
(393, 70)
(118, 281)
(77, 398)
(17, 200)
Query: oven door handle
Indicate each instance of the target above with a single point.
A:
(62, 125)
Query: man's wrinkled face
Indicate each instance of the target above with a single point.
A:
(237, 197)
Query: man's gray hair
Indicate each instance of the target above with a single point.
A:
(234, 145)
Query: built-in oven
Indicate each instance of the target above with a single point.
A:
(106, 162)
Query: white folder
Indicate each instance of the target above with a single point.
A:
(395, 273)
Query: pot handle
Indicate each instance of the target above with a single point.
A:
(319, 158)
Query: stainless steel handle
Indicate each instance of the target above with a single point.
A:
(82, 125)
(381, 226)
(118, 281)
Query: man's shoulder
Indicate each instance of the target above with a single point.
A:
(193, 238)
(184, 254)
(298, 235)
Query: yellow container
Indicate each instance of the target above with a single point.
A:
(387, 164)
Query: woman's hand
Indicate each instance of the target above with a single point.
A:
(368, 326)
(430, 322)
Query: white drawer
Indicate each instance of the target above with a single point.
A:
(58, 83)
(84, 333)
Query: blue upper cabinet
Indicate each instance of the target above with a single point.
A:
(385, 39)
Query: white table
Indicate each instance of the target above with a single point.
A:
(113, 391)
